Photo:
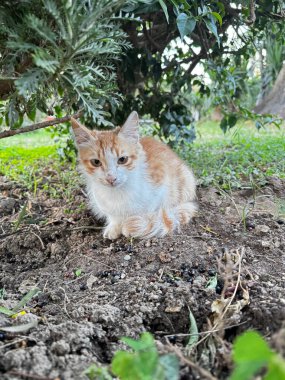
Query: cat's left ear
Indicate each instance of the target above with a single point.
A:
(130, 130)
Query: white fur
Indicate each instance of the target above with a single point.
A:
(134, 196)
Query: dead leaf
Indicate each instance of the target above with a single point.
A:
(164, 257)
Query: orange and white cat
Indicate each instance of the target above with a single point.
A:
(138, 185)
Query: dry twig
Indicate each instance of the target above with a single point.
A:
(44, 124)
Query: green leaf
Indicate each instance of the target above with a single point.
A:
(95, 372)
(210, 23)
(276, 369)
(250, 354)
(145, 342)
(232, 119)
(212, 282)
(217, 17)
(43, 60)
(138, 365)
(6, 311)
(170, 365)
(186, 24)
(26, 299)
(12, 114)
(193, 331)
(224, 124)
(30, 81)
(164, 7)
(32, 114)
(141, 364)
(78, 272)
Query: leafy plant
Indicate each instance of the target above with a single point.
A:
(251, 353)
(142, 363)
(58, 55)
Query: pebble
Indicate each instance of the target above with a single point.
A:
(147, 244)
(265, 244)
(123, 275)
(60, 347)
(7, 205)
(127, 257)
(262, 229)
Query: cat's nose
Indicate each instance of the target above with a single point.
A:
(111, 179)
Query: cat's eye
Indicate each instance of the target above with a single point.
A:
(122, 160)
(95, 162)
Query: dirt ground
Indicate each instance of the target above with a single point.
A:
(123, 288)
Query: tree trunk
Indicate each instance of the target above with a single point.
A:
(274, 102)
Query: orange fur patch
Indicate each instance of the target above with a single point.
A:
(167, 221)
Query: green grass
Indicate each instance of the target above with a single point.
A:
(242, 157)
(32, 159)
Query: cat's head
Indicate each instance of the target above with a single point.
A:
(109, 156)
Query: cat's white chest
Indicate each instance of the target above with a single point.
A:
(138, 196)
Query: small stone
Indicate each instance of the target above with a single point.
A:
(127, 257)
(90, 281)
(164, 257)
(265, 244)
(199, 281)
(262, 229)
(173, 309)
(123, 275)
(147, 244)
(249, 224)
(7, 205)
(60, 347)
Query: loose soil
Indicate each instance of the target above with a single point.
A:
(94, 291)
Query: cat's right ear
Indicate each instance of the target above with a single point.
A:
(82, 134)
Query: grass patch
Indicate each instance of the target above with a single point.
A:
(34, 162)
(23, 164)
(242, 157)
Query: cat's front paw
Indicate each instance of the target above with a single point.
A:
(112, 231)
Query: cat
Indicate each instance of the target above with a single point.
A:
(139, 186)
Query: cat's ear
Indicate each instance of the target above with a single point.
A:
(130, 130)
(82, 134)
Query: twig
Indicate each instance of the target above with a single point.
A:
(12, 343)
(230, 301)
(252, 18)
(205, 332)
(25, 229)
(42, 243)
(65, 301)
(44, 124)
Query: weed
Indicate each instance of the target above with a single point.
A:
(251, 353)
(143, 363)
(78, 272)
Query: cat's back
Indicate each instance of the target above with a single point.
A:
(166, 168)
(157, 150)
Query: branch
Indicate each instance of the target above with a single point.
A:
(252, 18)
(36, 126)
